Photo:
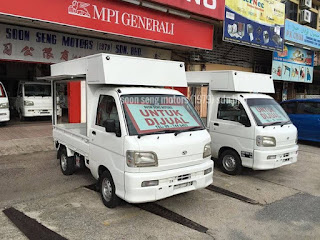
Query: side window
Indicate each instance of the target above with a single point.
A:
(231, 110)
(107, 109)
(20, 91)
(308, 108)
(290, 107)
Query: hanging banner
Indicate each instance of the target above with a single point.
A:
(115, 17)
(34, 45)
(301, 34)
(207, 8)
(256, 23)
(293, 64)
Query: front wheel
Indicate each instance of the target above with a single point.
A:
(230, 162)
(108, 190)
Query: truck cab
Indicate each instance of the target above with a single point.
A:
(248, 129)
(4, 105)
(33, 99)
(141, 142)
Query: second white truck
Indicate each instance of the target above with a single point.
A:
(33, 99)
(142, 142)
(248, 128)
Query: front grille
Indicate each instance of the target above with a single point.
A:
(184, 177)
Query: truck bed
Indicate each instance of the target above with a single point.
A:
(74, 136)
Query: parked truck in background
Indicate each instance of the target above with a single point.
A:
(248, 128)
(33, 99)
(4, 105)
(141, 142)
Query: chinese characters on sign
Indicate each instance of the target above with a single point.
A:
(20, 43)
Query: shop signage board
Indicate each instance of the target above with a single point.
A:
(293, 64)
(302, 34)
(207, 8)
(255, 23)
(34, 45)
(115, 17)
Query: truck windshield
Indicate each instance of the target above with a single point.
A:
(148, 114)
(267, 111)
(37, 90)
(2, 92)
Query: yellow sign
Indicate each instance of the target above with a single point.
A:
(267, 12)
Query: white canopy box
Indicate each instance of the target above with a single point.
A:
(232, 81)
(120, 70)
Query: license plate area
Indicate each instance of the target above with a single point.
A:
(182, 185)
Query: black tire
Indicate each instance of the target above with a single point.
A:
(230, 162)
(67, 164)
(108, 190)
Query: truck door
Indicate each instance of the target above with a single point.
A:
(106, 148)
(227, 128)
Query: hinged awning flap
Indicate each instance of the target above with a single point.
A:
(62, 77)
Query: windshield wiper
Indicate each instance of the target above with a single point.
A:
(188, 130)
(285, 123)
(271, 124)
(152, 133)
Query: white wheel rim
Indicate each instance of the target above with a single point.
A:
(63, 162)
(229, 163)
(106, 189)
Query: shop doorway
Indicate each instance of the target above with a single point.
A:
(11, 73)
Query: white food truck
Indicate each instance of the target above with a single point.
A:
(142, 142)
(4, 105)
(247, 128)
(33, 99)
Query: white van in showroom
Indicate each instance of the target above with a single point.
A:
(4, 105)
(33, 99)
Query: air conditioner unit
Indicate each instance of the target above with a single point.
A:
(305, 16)
(305, 4)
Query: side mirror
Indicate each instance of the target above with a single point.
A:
(113, 126)
(244, 120)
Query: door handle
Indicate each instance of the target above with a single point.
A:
(216, 124)
(94, 132)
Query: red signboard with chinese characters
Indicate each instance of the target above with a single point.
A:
(207, 8)
(115, 17)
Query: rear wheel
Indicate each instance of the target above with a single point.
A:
(230, 162)
(108, 190)
(67, 164)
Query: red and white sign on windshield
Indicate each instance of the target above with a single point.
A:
(207, 8)
(117, 18)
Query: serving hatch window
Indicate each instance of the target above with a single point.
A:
(154, 113)
(267, 111)
(36, 90)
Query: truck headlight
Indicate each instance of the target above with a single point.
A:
(4, 105)
(265, 141)
(207, 150)
(28, 103)
(141, 159)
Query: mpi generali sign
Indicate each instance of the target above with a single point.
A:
(117, 18)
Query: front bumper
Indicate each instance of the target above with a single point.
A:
(30, 112)
(171, 182)
(282, 157)
(4, 115)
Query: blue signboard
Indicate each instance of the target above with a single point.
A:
(258, 24)
(293, 64)
(301, 34)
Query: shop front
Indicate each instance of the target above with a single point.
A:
(293, 68)
(37, 33)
